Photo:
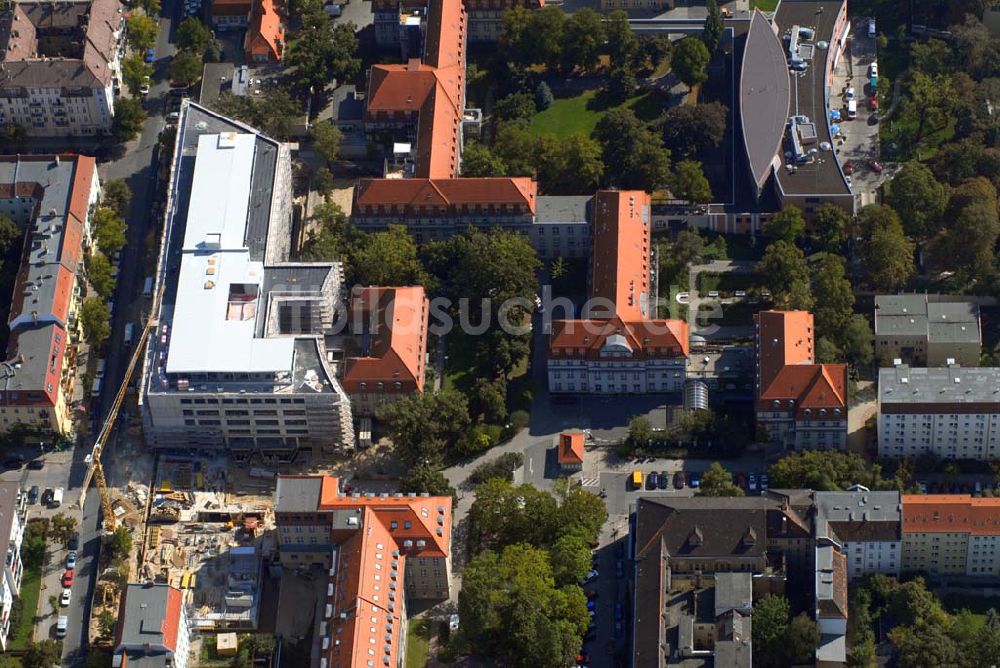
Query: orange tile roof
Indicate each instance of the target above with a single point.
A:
(620, 257)
(398, 339)
(784, 337)
(571, 448)
(266, 32)
(172, 618)
(951, 513)
(786, 371)
(367, 599)
(409, 197)
(648, 339)
(433, 90)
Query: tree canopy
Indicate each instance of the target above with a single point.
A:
(513, 612)
(193, 35)
(326, 139)
(886, 253)
(108, 230)
(142, 31)
(689, 130)
(712, 32)
(135, 72)
(95, 321)
(827, 471)
(423, 479)
(689, 182)
(717, 481)
(784, 272)
(689, 59)
(321, 52)
(99, 275)
(129, 117)
(386, 258)
(185, 68)
(633, 154)
(918, 198)
(828, 231)
(116, 195)
(423, 424)
(787, 224)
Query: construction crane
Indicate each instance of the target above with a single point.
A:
(95, 470)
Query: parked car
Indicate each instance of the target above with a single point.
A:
(67, 579)
(36, 464)
(875, 165)
(763, 481)
(144, 88)
(67, 596)
(74, 542)
(619, 611)
(694, 479)
(679, 480)
(619, 568)
(651, 480)
(47, 497)
(663, 480)
(619, 630)
(71, 559)
(33, 494)
(848, 168)
(849, 93)
(591, 605)
(752, 485)
(150, 55)
(873, 69)
(592, 594)
(592, 575)
(61, 626)
(873, 103)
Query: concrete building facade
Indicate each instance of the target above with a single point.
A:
(927, 330)
(951, 535)
(61, 64)
(866, 528)
(13, 512)
(951, 412)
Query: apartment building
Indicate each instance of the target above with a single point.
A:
(390, 325)
(370, 545)
(927, 330)
(802, 404)
(50, 197)
(830, 611)
(61, 64)
(865, 526)
(13, 510)
(620, 347)
(245, 354)
(152, 627)
(398, 22)
(951, 412)
(951, 534)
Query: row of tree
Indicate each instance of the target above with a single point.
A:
(108, 230)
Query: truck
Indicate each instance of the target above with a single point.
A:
(57, 497)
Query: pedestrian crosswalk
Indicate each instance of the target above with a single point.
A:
(590, 482)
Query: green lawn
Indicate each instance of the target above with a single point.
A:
(418, 639)
(31, 587)
(460, 367)
(579, 114)
(764, 5)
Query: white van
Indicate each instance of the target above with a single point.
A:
(852, 109)
(57, 497)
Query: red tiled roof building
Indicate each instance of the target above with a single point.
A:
(619, 348)
(379, 550)
(802, 404)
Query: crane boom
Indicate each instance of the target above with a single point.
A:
(96, 469)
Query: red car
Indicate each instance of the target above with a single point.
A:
(873, 103)
(848, 168)
(67, 579)
(876, 166)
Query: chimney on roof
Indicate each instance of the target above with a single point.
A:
(413, 64)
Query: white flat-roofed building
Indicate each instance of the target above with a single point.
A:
(244, 355)
(951, 412)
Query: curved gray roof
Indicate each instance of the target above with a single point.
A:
(765, 96)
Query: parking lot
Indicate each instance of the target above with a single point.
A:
(858, 143)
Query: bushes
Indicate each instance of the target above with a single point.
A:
(502, 467)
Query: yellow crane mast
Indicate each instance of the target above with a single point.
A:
(95, 471)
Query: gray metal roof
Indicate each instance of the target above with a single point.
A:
(562, 208)
(822, 176)
(858, 516)
(733, 591)
(944, 385)
(765, 96)
(143, 615)
(9, 491)
(940, 319)
(297, 495)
